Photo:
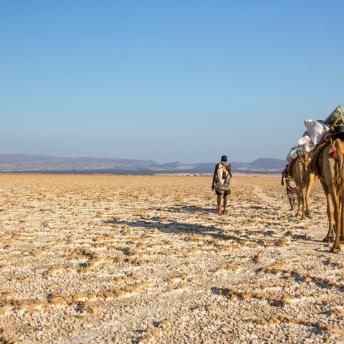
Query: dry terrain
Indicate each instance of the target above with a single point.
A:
(112, 259)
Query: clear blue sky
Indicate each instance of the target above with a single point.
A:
(166, 80)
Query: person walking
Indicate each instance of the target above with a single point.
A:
(221, 183)
(291, 188)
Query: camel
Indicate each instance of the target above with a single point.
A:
(330, 168)
(304, 180)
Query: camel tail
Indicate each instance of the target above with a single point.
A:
(339, 145)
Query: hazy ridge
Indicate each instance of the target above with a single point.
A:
(44, 163)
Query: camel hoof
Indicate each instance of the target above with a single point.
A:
(328, 239)
(336, 247)
(303, 217)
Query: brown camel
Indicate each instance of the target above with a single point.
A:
(330, 166)
(304, 180)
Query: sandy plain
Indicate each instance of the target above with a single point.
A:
(145, 259)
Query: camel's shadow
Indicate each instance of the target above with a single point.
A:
(175, 227)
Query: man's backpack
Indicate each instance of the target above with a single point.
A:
(222, 177)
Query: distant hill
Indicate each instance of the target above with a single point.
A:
(23, 162)
(42, 163)
(264, 164)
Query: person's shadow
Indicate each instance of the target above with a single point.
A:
(190, 209)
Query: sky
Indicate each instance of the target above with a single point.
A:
(166, 80)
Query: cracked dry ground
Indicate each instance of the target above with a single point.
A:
(112, 259)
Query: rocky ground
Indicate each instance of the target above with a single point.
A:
(110, 259)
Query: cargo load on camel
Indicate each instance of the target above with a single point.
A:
(336, 117)
(318, 132)
(302, 159)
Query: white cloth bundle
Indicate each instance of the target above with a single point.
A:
(314, 134)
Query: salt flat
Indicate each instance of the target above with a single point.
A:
(131, 259)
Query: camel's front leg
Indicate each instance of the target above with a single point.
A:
(338, 214)
(310, 183)
(330, 214)
(303, 204)
(298, 203)
(342, 219)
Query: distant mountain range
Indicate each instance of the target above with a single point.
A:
(51, 164)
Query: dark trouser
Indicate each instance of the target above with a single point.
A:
(219, 198)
